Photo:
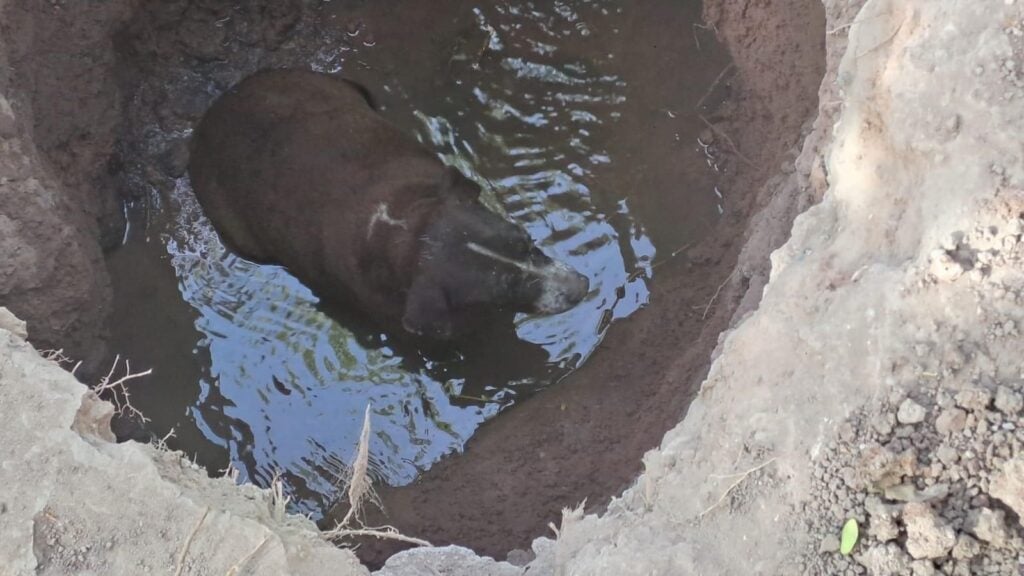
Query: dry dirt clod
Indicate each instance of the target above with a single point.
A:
(911, 412)
(1008, 402)
(923, 568)
(1007, 485)
(974, 398)
(928, 535)
(888, 560)
(988, 525)
(951, 421)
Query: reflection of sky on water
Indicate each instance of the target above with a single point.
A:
(287, 385)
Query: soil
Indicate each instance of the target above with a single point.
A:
(68, 108)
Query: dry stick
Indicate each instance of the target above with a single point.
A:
(713, 86)
(721, 133)
(358, 486)
(883, 42)
(715, 295)
(188, 542)
(733, 486)
(237, 568)
(383, 533)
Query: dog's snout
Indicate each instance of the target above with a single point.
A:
(562, 289)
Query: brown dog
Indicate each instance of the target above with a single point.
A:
(296, 168)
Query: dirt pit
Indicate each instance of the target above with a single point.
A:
(621, 135)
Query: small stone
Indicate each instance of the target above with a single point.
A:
(974, 398)
(882, 519)
(928, 535)
(950, 421)
(966, 547)
(988, 525)
(1008, 402)
(910, 412)
(1007, 485)
(829, 544)
(947, 454)
(879, 468)
(923, 568)
(883, 423)
(888, 560)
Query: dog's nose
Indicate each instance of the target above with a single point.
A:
(579, 287)
(563, 289)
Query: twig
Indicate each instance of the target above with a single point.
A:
(188, 542)
(715, 295)
(721, 133)
(883, 42)
(384, 532)
(743, 476)
(713, 86)
(358, 486)
(234, 570)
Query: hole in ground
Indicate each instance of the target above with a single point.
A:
(618, 133)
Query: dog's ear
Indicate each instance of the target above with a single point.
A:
(455, 185)
(426, 309)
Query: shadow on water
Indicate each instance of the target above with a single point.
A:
(532, 100)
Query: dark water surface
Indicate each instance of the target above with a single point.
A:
(579, 120)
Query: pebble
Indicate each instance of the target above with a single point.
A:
(1008, 402)
(911, 412)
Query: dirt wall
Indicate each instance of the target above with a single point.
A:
(58, 198)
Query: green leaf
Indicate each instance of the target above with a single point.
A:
(848, 538)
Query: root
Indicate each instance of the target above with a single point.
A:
(188, 542)
(715, 295)
(742, 476)
(116, 391)
(721, 133)
(360, 491)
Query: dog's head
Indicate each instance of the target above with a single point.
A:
(473, 259)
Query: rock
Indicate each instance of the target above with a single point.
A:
(888, 560)
(923, 568)
(882, 519)
(454, 560)
(883, 423)
(1007, 485)
(878, 467)
(911, 412)
(910, 493)
(829, 544)
(966, 547)
(1008, 402)
(947, 454)
(12, 323)
(988, 525)
(974, 398)
(928, 535)
(950, 421)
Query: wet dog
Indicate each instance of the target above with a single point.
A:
(296, 168)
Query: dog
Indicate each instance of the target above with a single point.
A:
(297, 168)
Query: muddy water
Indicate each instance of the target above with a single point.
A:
(579, 119)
